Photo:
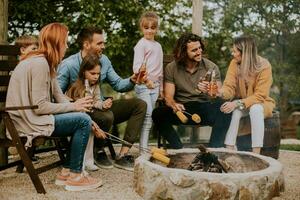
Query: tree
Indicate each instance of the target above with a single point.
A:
(275, 24)
(118, 18)
(3, 21)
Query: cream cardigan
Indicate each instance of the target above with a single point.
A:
(258, 87)
(31, 84)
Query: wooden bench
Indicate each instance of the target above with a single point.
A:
(8, 61)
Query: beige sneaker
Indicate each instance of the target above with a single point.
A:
(62, 177)
(82, 182)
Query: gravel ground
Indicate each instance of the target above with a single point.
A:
(118, 184)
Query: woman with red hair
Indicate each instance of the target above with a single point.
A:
(33, 82)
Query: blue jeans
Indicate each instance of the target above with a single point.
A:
(149, 96)
(78, 125)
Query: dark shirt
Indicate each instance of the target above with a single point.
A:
(186, 82)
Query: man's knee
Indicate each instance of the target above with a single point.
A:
(103, 119)
(141, 105)
(156, 115)
(108, 118)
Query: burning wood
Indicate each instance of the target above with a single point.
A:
(206, 161)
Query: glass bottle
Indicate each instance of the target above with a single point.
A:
(87, 91)
(213, 87)
(206, 78)
(141, 73)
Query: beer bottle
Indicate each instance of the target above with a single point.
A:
(87, 91)
(141, 73)
(205, 78)
(213, 87)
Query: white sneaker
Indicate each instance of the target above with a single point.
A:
(91, 167)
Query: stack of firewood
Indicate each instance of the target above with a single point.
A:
(206, 161)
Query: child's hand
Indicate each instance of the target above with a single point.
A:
(149, 84)
(107, 104)
(161, 94)
(133, 77)
(98, 132)
(144, 78)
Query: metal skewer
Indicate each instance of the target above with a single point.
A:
(117, 139)
(185, 112)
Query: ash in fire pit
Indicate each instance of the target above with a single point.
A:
(216, 162)
(206, 161)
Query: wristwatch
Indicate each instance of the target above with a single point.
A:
(240, 104)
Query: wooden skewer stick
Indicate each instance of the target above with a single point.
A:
(195, 117)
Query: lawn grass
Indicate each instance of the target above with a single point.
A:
(290, 147)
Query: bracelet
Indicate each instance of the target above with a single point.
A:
(240, 104)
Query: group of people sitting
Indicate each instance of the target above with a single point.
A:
(70, 102)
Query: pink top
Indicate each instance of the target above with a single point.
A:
(154, 55)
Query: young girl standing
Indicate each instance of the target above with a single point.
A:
(88, 84)
(148, 55)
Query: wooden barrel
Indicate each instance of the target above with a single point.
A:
(271, 138)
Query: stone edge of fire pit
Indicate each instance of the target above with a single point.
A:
(153, 181)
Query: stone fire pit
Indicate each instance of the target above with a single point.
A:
(251, 177)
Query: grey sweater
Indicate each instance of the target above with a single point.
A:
(31, 84)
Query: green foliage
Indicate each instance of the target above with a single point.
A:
(119, 19)
(275, 24)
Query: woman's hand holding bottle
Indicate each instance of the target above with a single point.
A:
(84, 104)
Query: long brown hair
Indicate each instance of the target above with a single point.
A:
(77, 89)
(180, 50)
(249, 63)
(88, 63)
(52, 38)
